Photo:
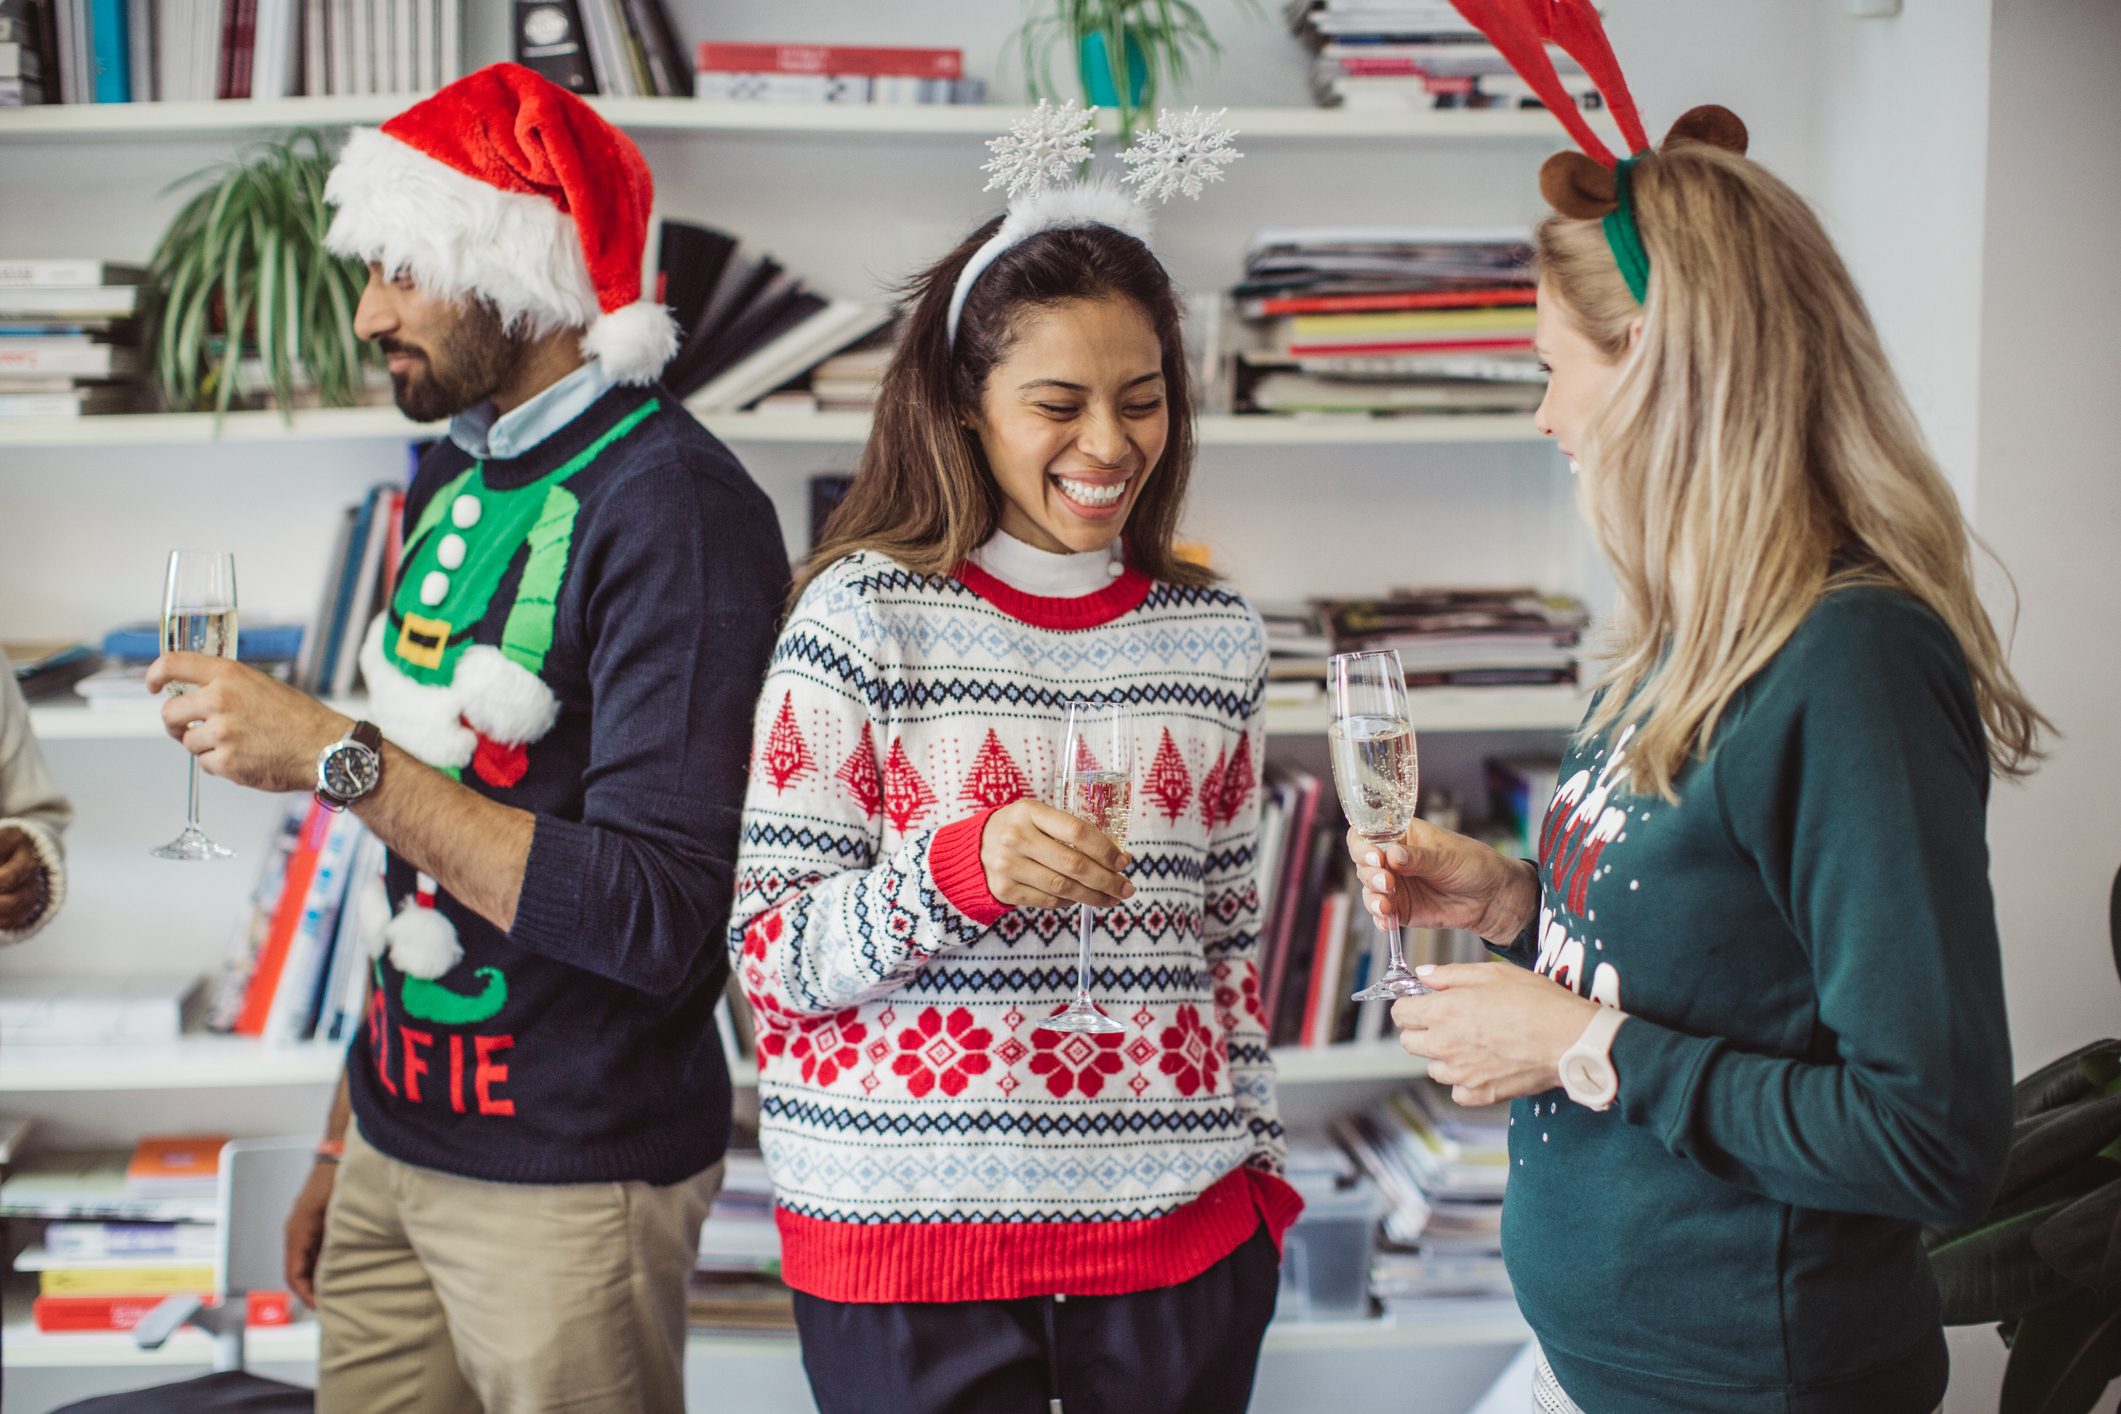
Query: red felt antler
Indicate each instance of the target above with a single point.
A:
(1522, 29)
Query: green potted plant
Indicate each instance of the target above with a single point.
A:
(242, 274)
(1157, 41)
(2045, 1264)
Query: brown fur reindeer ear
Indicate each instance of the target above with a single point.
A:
(1578, 186)
(1711, 123)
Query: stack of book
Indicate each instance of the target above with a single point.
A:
(1384, 321)
(358, 576)
(117, 680)
(136, 51)
(619, 48)
(1453, 637)
(49, 670)
(69, 337)
(297, 964)
(736, 1284)
(97, 1011)
(1401, 54)
(748, 325)
(22, 77)
(845, 382)
(1443, 1168)
(121, 1231)
(834, 73)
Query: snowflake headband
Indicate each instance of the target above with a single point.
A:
(1035, 162)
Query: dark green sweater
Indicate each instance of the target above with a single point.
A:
(1815, 1061)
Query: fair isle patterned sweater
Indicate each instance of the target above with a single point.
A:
(926, 1142)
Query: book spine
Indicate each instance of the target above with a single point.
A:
(874, 61)
(293, 1003)
(265, 979)
(40, 404)
(548, 41)
(55, 1314)
(102, 1241)
(127, 1281)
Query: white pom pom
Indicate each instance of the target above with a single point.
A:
(633, 341)
(372, 914)
(422, 942)
(501, 698)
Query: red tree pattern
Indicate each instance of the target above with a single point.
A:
(1168, 782)
(858, 774)
(787, 755)
(906, 796)
(1211, 790)
(995, 779)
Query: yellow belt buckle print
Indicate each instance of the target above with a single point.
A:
(421, 641)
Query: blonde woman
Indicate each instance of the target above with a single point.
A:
(1756, 1036)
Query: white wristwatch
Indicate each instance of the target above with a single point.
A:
(1587, 1067)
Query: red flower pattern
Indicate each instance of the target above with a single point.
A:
(938, 1050)
(774, 1024)
(764, 931)
(827, 1045)
(1192, 1054)
(1237, 984)
(1075, 1062)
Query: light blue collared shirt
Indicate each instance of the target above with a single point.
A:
(485, 436)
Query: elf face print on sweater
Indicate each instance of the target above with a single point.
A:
(1588, 816)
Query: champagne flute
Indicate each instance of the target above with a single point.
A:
(1378, 776)
(1097, 787)
(198, 616)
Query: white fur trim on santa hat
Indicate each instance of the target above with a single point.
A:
(503, 699)
(419, 717)
(456, 235)
(422, 942)
(633, 342)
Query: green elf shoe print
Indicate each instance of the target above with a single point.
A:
(426, 1000)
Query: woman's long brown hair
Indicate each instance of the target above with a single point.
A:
(923, 494)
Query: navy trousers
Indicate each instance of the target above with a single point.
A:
(1185, 1349)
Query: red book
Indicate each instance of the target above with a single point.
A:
(54, 1314)
(874, 61)
(286, 919)
(1406, 299)
(393, 547)
(1410, 346)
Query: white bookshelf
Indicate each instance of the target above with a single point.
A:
(105, 122)
(819, 429)
(201, 1061)
(1435, 709)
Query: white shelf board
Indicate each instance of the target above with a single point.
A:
(1494, 1322)
(202, 1061)
(1435, 709)
(820, 429)
(651, 115)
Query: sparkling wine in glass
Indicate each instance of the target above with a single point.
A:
(1097, 787)
(1377, 773)
(198, 616)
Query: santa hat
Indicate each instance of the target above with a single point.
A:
(507, 186)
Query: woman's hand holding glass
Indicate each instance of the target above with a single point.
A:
(1039, 856)
(1437, 878)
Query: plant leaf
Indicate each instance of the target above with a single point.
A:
(2061, 1081)
(2083, 1241)
(1990, 1272)
(2047, 1146)
(2063, 1358)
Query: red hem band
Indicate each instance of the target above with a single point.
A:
(1003, 1261)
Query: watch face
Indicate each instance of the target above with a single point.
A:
(350, 771)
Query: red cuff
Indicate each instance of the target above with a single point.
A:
(953, 860)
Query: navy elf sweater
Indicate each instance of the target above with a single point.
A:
(601, 1062)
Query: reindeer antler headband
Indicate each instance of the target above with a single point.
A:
(1036, 161)
(1592, 183)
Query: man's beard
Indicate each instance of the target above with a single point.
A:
(460, 369)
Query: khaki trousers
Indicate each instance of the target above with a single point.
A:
(438, 1294)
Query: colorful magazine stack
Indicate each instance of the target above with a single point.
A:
(1443, 1168)
(174, 51)
(298, 965)
(1384, 321)
(834, 73)
(1414, 54)
(122, 1231)
(69, 337)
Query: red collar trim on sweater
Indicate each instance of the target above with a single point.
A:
(1093, 610)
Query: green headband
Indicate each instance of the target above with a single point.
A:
(1621, 234)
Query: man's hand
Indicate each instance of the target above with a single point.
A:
(244, 726)
(305, 1231)
(24, 890)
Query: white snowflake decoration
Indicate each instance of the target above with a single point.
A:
(1186, 152)
(1042, 150)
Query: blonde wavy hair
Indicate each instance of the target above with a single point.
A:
(1755, 453)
